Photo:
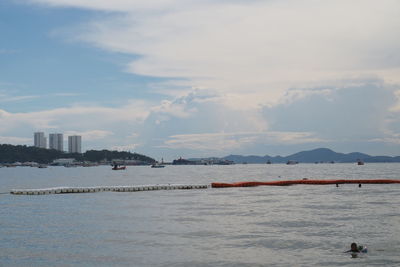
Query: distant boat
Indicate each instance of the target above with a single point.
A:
(42, 166)
(157, 165)
(269, 162)
(360, 162)
(117, 168)
(292, 162)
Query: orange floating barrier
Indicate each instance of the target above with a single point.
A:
(306, 181)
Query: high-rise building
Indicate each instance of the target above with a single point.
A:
(56, 141)
(39, 140)
(75, 144)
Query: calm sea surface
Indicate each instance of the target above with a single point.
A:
(301, 225)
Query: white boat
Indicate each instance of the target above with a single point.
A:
(157, 165)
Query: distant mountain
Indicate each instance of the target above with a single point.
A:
(311, 156)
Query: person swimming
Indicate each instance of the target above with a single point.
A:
(357, 249)
(353, 248)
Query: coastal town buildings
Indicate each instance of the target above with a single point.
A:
(56, 141)
(39, 140)
(75, 144)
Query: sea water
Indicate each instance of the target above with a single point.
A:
(300, 225)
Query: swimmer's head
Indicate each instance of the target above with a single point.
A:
(354, 247)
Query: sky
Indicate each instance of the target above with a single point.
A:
(200, 78)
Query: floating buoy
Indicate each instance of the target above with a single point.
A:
(312, 182)
(69, 190)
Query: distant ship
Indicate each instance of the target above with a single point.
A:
(157, 165)
(292, 162)
(117, 167)
(360, 162)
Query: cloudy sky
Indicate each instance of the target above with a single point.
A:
(194, 78)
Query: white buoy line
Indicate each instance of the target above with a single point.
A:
(95, 189)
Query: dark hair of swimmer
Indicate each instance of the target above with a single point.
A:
(354, 247)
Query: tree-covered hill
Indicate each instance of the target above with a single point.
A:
(99, 155)
(11, 154)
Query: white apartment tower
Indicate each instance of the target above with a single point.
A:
(39, 140)
(56, 141)
(75, 144)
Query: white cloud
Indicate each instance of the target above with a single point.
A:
(8, 51)
(396, 106)
(393, 139)
(106, 5)
(74, 118)
(128, 147)
(358, 113)
(232, 141)
(174, 109)
(91, 135)
(7, 98)
(66, 94)
(253, 48)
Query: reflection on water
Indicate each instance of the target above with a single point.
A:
(281, 226)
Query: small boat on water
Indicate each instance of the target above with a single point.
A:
(157, 165)
(360, 162)
(117, 167)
